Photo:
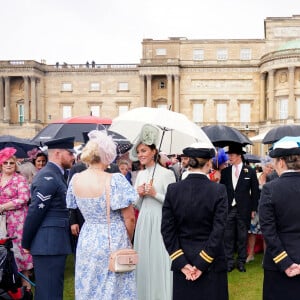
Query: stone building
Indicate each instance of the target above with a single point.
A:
(251, 84)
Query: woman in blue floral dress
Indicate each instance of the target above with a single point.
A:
(86, 191)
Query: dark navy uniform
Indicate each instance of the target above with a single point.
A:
(46, 230)
(279, 216)
(193, 221)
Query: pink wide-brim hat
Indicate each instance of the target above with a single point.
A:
(6, 154)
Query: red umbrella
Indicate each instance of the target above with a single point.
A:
(85, 120)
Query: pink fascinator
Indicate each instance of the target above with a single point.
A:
(33, 153)
(6, 154)
(107, 147)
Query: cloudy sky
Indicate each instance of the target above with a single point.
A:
(111, 31)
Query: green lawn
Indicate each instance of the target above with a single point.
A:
(242, 286)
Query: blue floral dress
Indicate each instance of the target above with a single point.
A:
(93, 280)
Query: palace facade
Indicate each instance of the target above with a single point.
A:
(251, 84)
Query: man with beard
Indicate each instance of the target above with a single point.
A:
(46, 233)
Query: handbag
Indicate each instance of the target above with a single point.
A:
(3, 228)
(122, 260)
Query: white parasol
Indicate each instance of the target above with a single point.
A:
(176, 130)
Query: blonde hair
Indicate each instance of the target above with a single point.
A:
(123, 162)
(100, 148)
(16, 163)
(28, 170)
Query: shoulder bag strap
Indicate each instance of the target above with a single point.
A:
(107, 196)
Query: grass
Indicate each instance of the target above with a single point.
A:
(247, 286)
(242, 286)
(69, 293)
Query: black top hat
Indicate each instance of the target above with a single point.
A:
(235, 148)
(63, 143)
(199, 150)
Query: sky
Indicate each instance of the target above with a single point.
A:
(111, 31)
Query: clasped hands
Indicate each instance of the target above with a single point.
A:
(146, 189)
(293, 270)
(191, 273)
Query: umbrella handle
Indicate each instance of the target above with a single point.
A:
(151, 181)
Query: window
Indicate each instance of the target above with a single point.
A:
(222, 54)
(162, 105)
(66, 87)
(162, 85)
(245, 54)
(161, 51)
(122, 109)
(198, 54)
(283, 108)
(123, 86)
(198, 112)
(245, 113)
(95, 110)
(95, 86)
(67, 111)
(221, 112)
(21, 113)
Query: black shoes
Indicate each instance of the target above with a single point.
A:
(241, 268)
(230, 268)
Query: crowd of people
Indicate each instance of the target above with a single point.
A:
(192, 217)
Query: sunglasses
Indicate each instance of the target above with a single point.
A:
(9, 163)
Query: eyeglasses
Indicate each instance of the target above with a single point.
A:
(9, 163)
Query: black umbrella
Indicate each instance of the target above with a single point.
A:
(251, 158)
(123, 145)
(21, 145)
(222, 135)
(279, 132)
(61, 130)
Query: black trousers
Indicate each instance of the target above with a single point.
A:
(49, 276)
(236, 234)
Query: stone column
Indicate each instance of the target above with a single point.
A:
(33, 113)
(149, 92)
(7, 99)
(291, 107)
(142, 89)
(39, 102)
(262, 97)
(169, 84)
(271, 106)
(176, 93)
(26, 99)
(1, 99)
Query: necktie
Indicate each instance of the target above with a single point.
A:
(237, 173)
(66, 175)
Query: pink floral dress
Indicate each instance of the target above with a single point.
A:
(17, 191)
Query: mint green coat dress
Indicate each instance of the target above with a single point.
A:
(154, 277)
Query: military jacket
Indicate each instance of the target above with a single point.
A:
(193, 220)
(46, 229)
(279, 216)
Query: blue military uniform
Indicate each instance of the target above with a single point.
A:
(46, 230)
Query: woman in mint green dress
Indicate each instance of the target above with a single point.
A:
(154, 277)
